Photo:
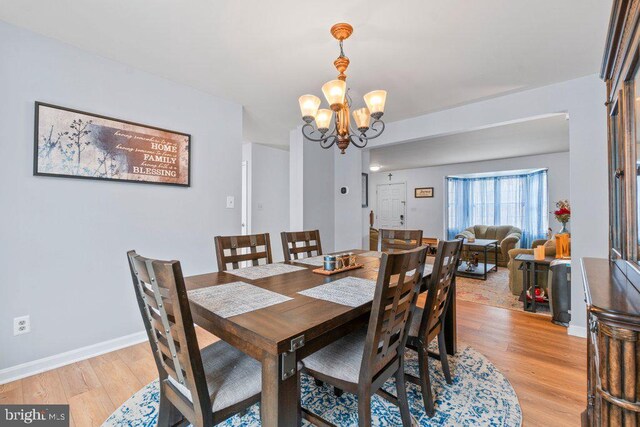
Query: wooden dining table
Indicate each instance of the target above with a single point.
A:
(281, 335)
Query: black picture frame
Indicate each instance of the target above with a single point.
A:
(36, 145)
(423, 192)
(365, 190)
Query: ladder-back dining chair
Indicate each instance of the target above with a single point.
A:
(204, 386)
(297, 244)
(363, 361)
(428, 323)
(236, 249)
(399, 239)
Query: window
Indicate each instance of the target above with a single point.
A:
(511, 198)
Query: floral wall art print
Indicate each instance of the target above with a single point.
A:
(71, 143)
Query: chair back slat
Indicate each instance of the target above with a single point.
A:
(399, 239)
(393, 304)
(232, 250)
(439, 286)
(164, 306)
(296, 244)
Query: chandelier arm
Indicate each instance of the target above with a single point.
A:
(373, 127)
(353, 139)
(308, 135)
(363, 138)
(326, 144)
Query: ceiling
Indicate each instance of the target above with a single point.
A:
(429, 54)
(540, 136)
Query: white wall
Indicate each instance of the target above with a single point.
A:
(348, 207)
(429, 214)
(319, 193)
(63, 241)
(269, 192)
(366, 156)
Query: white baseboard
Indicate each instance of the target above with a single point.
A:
(577, 331)
(47, 363)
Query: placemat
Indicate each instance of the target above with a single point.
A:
(349, 291)
(235, 298)
(262, 271)
(317, 261)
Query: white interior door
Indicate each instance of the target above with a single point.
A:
(392, 205)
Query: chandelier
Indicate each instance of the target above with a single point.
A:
(337, 95)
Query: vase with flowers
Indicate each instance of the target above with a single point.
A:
(563, 214)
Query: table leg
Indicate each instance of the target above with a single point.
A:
(486, 261)
(525, 285)
(496, 253)
(533, 291)
(450, 325)
(280, 402)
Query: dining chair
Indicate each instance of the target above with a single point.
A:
(364, 360)
(297, 243)
(399, 239)
(428, 323)
(204, 386)
(236, 249)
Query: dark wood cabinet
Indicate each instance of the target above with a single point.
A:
(612, 285)
(613, 356)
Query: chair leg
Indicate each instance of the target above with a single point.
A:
(337, 391)
(168, 415)
(364, 409)
(318, 382)
(425, 381)
(442, 349)
(403, 400)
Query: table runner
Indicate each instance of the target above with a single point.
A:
(349, 291)
(262, 271)
(235, 298)
(317, 261)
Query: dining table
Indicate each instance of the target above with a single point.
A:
(281, 335)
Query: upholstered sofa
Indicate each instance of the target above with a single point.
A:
(508, 237)
(515, 274)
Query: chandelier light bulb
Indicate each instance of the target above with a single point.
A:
(334, 91)
(323, 120)
(362, 118)
(375, 100)
(309, 105)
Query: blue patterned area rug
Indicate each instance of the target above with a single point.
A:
(479, 396)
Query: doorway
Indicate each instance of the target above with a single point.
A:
(392, 205)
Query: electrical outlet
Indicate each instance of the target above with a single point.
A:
(231, 201)
(21, 325)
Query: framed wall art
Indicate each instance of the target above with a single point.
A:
(423, 192)
(76, 144)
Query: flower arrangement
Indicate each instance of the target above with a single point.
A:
(563, 213)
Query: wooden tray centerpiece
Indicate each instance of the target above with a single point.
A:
(324, 272)
(341, 262)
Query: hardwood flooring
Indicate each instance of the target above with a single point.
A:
(546, 367)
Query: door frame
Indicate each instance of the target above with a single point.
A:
(405, 200)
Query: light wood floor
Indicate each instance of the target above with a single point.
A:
(546, 367)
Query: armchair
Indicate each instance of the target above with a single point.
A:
(508, 237)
